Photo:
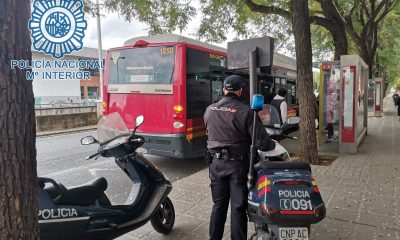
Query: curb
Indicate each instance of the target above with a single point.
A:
(65, 131)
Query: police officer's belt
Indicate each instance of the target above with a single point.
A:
(225, 154)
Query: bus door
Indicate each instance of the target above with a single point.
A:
(267, 88)
(203, 87)
(217, 91)
(279, 83)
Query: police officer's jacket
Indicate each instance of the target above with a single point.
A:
(229, 123)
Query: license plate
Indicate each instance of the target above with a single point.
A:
(141, 150)
(293, 234)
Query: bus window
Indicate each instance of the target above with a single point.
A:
(216, 85)
(266, 91)
(151, 65)
(291, 94)
(279, 83)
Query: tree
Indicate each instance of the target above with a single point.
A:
(18, 178)
(162, 16)
(243, 13)
(364, 30)
(388, 53)
(302, 36)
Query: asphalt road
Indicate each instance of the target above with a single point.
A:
(62, 158)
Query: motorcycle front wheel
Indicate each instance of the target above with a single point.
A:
(163, 219)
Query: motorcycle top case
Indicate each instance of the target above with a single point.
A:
(286, 196)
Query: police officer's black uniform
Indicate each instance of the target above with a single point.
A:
(229, 124)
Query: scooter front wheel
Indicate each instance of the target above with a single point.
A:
(163, 219)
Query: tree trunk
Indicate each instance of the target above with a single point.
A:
(18, 178)
(369, 60)
(302, 36)
(338, 33)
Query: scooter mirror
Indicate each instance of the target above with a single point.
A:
(293, 120)
(88, 140)
(139, 121)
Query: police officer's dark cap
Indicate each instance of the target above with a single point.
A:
(233, 83)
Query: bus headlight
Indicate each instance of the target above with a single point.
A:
(178, 125)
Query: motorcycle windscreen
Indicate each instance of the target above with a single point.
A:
(269, 116)
(111, 126)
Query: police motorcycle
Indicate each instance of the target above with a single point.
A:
(284, 199)
(85, 212)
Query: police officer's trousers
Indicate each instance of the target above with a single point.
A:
(228, 180)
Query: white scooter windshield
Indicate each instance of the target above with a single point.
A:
(111, 126)
(270, 116)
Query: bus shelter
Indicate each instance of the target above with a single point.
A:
(378, 96)
(343, 104)
(354, 104)
(329, 106)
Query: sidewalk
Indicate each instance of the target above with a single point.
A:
(361, 192)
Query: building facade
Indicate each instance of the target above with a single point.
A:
(52, 91)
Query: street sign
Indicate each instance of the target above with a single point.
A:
(238, 52)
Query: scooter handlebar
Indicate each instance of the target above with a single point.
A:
(93, 155)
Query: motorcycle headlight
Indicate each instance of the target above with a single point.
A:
(273, 132)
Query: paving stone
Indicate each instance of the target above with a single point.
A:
(378, 220)
(185, 185)
(182, 207)
(371, 233)
(176, 193)
(330, 229)
(200, 212)
(208, 202)
(184, 225)
(342, 214)
(384, 208)
(193, 197)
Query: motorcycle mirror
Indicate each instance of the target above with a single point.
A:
(88, 140)
(293, 120)
(139, 121)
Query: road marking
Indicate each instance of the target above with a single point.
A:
(93, 171)
(74, 169)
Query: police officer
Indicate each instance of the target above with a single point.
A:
(229, 125)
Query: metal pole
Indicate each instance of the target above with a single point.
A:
(253, 72)
(99, 47)
(253, 154)
(253, 90)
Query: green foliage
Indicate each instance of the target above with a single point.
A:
(237, 18)
(322, 43)
(163, 16)
(220, 19)
(389, 48)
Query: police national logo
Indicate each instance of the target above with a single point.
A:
(57, 26)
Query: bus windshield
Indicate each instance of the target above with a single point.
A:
(150, 65)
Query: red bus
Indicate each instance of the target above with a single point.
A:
(171, 79)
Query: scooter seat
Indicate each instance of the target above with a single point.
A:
(282, 165)
(83, 195)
